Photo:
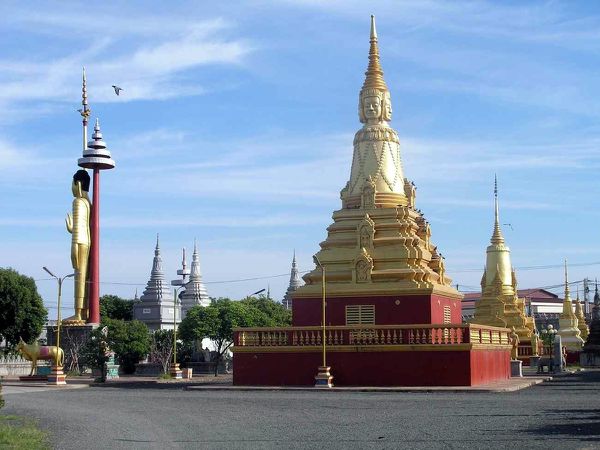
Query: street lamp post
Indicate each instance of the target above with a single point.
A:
(175, 371)
(57, 377)
(323, 378)
(548, 337)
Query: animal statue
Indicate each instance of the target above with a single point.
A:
(546, 361)
(33, 352)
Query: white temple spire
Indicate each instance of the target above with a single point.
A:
(157, 289)
(195, 292)
(294, 284)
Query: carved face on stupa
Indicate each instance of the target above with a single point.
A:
(374, 106)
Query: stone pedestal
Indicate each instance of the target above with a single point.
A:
(33, 378)
(590, 358)
(111, 370)
(533, 361)
(559, 363)
(57, 376)
(175, 372)
(324, 378)
(72, 337)
(516, 368)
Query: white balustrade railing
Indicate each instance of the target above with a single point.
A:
(14, 365)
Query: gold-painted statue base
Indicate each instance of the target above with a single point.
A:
(57, 377)
(73, 321)
(175, 371)
(324, 379)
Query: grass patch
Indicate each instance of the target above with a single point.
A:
(21, 433)
(165, 376)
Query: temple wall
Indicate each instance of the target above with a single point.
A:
(388, 368)
(413, 309)
(489, 365)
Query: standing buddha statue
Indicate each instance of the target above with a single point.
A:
(78, 225)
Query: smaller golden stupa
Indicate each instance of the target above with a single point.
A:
(583, 328)
(500, 305)
(568, 325)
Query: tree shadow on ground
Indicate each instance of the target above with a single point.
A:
(581, 424)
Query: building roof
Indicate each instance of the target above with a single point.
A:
(535, 294)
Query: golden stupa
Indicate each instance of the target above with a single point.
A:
(583, 328)
(379, 243)
(499, 304)
(568, 325)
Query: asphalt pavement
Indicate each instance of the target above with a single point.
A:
(563, 413)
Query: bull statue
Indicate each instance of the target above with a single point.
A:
(33, 352)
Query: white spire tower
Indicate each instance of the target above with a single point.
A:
(155, 307)
(195, 292)
(294, 284)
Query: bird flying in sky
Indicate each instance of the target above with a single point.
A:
(117, 89)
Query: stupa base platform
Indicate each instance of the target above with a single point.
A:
(33, 378)
(377, 355)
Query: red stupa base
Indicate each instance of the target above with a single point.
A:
(409, 345)
(362, 367)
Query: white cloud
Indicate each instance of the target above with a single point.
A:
(147, 66)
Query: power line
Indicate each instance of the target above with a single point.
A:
(266, 277)
(549, 266)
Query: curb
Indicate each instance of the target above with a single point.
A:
(409, 389)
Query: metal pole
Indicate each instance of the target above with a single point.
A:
(60, 280)
(324, 338)
(174, 327)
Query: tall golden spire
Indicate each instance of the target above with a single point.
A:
(497, 237)
(567, 303)
(567, 292)
(85, 111)
(374, 74)
(568, 328)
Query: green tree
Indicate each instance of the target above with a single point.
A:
(22, 311)
(276, 314)
(114, 307)
(94, 352)
(217, 321)
(129, 340)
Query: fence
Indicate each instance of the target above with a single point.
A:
(14, 365)
(375, 335)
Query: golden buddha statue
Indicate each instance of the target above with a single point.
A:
(78, 225)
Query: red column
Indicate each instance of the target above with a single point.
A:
(94, 288)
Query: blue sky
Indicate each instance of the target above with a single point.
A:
(236, 121)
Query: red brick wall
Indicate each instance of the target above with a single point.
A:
(417, 309)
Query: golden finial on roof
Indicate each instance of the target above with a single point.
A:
(497, 237)
(567, 293)
(85, 111)
(374, 74)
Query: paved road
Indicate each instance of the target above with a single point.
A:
(561, 414)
